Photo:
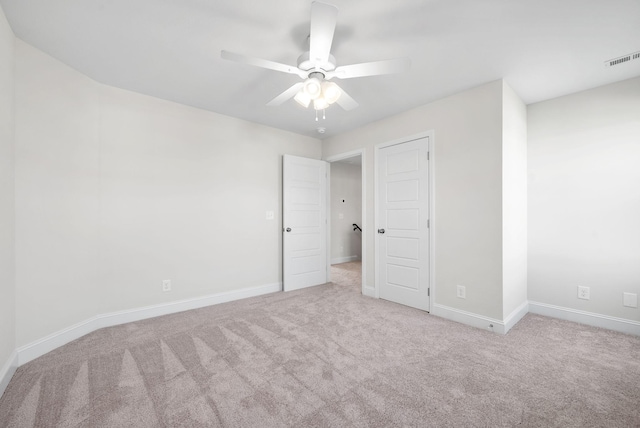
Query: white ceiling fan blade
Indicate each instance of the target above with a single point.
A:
(323, 25)
(286, 95)
(390, 66)
(263, 63)
(345, 101)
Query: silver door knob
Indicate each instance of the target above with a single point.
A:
(380, 230)
(288, 229)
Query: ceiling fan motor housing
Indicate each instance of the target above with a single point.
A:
(306, 64)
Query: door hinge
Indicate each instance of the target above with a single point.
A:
(428, 223)
(428, 292)
(428, 155)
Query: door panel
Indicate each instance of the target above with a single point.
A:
(304, 222)
(403, 276)
(407, 219)
(403, 248)
(406, 190)
(403, 214)
(402, 162)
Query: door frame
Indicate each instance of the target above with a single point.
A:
(365, 290)
(429, 135)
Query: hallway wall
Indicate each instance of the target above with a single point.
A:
(346, 209)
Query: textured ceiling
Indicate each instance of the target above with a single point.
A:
(171, 49)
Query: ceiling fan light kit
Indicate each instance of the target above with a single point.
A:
(302, 98)
(323, 94)
(312, 87)
(320, 104)
(317, 66)
(331, 92)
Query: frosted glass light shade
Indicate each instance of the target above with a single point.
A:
(331, 92)
(302, 98)
(312, 87)
(320, 103)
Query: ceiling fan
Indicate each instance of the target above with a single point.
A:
(317, 66)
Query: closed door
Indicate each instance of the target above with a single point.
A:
(304, 222)
(403, 223)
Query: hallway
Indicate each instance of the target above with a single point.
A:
(347, 274)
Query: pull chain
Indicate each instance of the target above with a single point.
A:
(324, 114)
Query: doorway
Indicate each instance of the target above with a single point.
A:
(346, 220)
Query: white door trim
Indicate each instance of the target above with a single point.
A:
(368, 291)
(430, 135)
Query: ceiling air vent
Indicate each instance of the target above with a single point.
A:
(622, 59)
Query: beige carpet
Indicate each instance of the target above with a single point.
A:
(329, 357)
(348, 274)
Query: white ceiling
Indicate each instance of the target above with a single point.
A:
(171, 49)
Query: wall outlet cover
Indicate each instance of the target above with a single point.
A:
(461, 291)
(584, 293)
(166, 285)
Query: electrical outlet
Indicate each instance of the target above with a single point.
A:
(461, 291)
(630, 300)
(270, 215)
(584, 293)
(166, 285)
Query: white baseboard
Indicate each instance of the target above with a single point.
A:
(369, 291)
(346, 259)
(589, 318)
(46, 344)
(515, 316)
(468, 318)
(7, 371)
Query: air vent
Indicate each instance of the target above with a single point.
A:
(622, 59)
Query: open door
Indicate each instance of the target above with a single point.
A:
(304, 222)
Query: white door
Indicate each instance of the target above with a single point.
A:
(403, 216)
(304, 222)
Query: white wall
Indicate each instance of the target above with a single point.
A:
(7, 252)
(514, 201)
(584, 199)
(57, 196)
(346, 201)
(468, 191)
(116, 191)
